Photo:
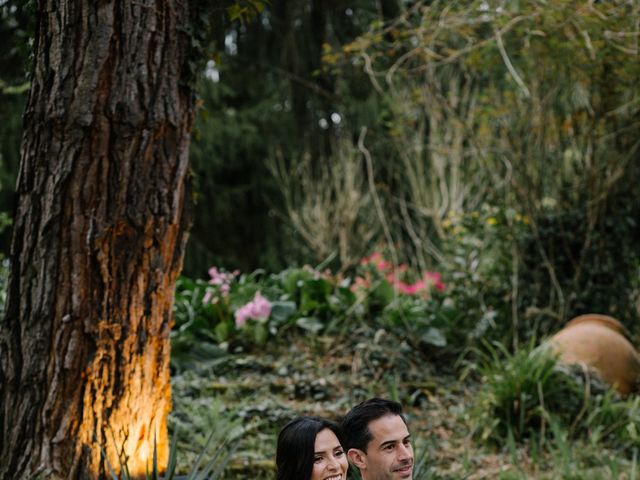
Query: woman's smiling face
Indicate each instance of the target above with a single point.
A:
(329, 459)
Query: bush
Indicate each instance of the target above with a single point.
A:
(528, 395)
(236, 312)
(573, 265)
(480, 267)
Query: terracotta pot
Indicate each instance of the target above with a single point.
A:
(599, 343)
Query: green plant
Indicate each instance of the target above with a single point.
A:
(520, 391)
(528, 396)
(237, 312)
(481, 265)
(211, 470)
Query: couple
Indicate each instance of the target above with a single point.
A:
(373, 435)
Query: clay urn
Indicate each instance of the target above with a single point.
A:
(599, 343)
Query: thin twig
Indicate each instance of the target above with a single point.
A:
(375, 196)
(509, 65)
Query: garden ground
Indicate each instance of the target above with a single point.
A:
(246, 397)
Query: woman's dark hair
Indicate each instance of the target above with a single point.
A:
(296, 443)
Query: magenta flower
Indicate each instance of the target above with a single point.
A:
(434, 279)
(257, 309)
(414, 288)
(383, 265)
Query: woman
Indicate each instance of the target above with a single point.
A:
(309, 448)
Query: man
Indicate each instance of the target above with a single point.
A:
(377, 440)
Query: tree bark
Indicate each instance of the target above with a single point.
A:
(102, 215)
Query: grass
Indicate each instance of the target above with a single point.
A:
(258, 393)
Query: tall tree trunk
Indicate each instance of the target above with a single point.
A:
(99, 235)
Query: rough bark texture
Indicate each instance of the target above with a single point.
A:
(98, 239)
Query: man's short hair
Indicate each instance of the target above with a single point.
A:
(355, 425)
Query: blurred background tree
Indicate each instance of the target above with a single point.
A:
(16, 32)
(273, 99)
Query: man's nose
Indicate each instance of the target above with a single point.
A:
(405, 452)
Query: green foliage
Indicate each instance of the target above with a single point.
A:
(298, 298)
(236, 312)
(530, 108)
(593, 266)
(520, 391)
(528, 396)
(245, 10)
(16, 34)
(266, 94)
(212, 469)
(481, 265)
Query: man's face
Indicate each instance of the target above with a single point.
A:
(389, 454)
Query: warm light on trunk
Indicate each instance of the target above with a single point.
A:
(99, 234)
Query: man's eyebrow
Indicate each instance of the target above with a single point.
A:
(391, 442)
(387, 442)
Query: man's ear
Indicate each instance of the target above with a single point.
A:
(357, 457)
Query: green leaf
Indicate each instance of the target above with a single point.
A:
(222, 331)
(382, 294)
(235, 12)
(258, 5)
(314, 293)
(293, 279)
(260, 334)
(310, 324)
(433, 336)
(282, 311)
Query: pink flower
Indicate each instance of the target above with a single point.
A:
(241, 317)
(359, 283)
(258, 309)
(222, 280)
(209, 298)
(415, 288)
(434, 279)
(375, 257)
(383, 265)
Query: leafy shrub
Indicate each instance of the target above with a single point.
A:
(518, 392)
(529, 395)
(480, 266)
(512, 278)
(236, 311)
(593, 261)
